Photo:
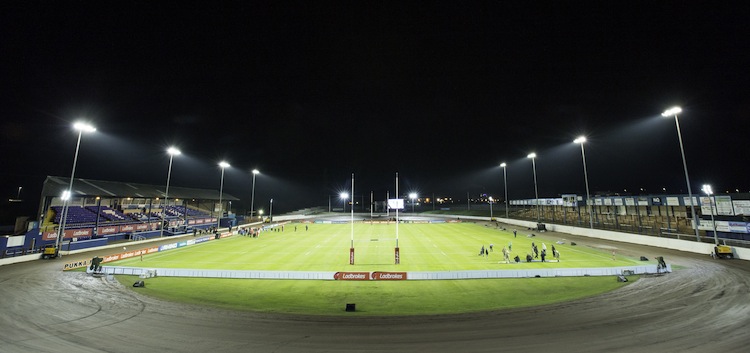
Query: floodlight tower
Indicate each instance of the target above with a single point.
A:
(172, 151)
(707, 189)
(67, 194)
(490, 201)
(344, 197)
(223, 165)
(252, 198)
(505, 182)
(581, 141)
(536, 190)
(673, 112)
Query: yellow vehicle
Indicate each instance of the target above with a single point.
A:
(723, 251)
(50, 252)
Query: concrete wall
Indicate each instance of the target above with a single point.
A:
(22, 258)
(668, 243)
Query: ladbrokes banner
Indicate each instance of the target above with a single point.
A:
(352, 276)
(364, 276)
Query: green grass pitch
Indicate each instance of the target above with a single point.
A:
(424, 247)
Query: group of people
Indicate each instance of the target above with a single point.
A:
(485, 251)
(535, 251)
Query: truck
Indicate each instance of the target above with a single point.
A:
(723, 252)
(50, 252)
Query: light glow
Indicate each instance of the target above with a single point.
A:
(85, 127)
(672, 112)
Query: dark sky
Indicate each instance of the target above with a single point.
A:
(311, 91)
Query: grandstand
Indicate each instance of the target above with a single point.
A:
(102, 212)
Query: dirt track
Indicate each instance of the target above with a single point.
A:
(703, 307)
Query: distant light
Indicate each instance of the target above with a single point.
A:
(580, 139)
(707, 189)
(413, 195)
(224, 164)
(255, 171)
(174, 151)
(85, 127)
(491, 199)
(503, 164)
(531, 155)
(344, 195)
(672, 112)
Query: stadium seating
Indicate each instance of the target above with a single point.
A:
(76, 214)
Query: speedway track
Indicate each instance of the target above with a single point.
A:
(702, 306)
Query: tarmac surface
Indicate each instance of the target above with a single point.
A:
(704, 305)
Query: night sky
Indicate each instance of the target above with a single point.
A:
(309, 92)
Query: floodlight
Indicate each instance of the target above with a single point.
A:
(531, 155)
(503, 165)
(344, 195)
(255, 171)
(224, 164)
(85, 127)
(707, 189)
(580, 139)
(672, 112)
(173, 151)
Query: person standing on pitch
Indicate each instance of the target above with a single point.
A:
(514, 233)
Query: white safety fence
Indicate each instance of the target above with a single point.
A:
(436, 275)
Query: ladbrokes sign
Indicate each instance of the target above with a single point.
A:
(351, 276)
(364, 276)
(389, 276)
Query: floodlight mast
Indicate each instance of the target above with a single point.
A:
(536, 190)
(68, 194)
(673, 112)
(172, 151)
(709, 191)
(252, 198)
(505, 183)
(223, 165)
(581, 140)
